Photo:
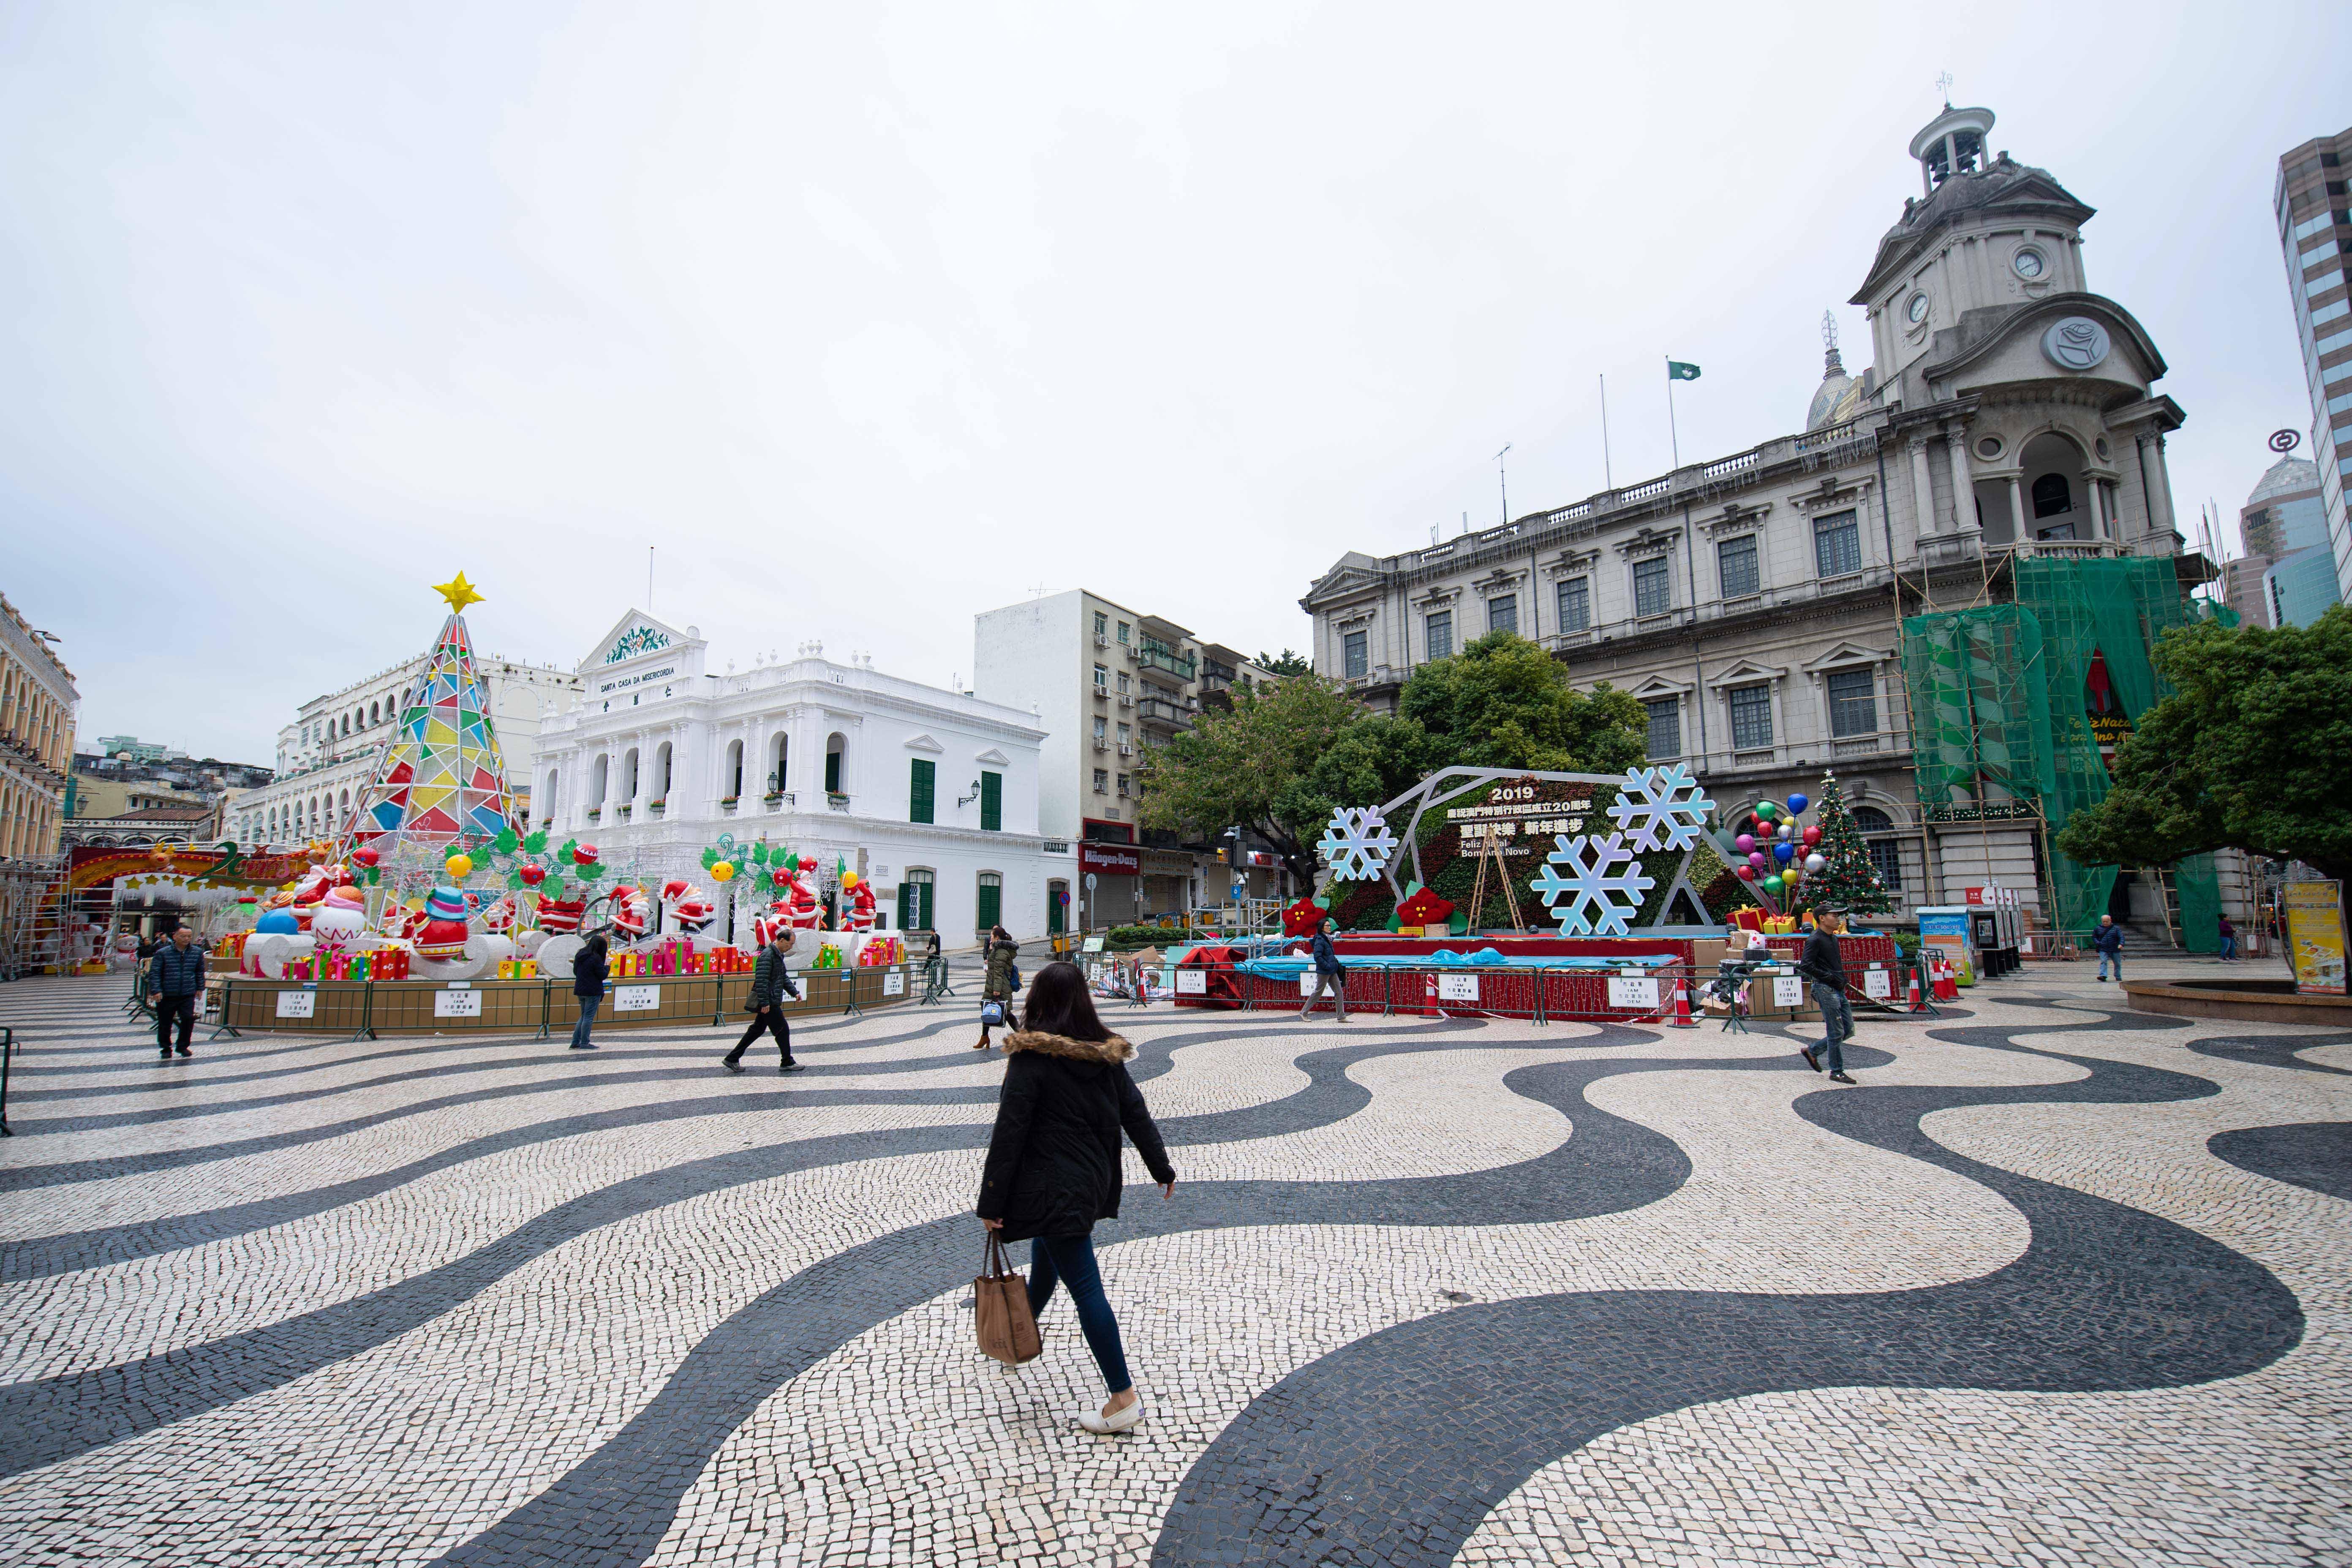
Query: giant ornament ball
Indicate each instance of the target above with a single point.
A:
(459, 867)
(1784, 852)
(1813, 836)
(532, 876)
(1745, 844)
(1746, 873)
(1756, 859)
(723, 871)
(1797, 805)
(585, 855)
(1815, 862)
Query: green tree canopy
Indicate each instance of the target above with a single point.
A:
(1502, 702)
(1278, 764)
(2253, 751)
(1284, 663)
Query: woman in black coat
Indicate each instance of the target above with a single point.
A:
(1054, 1162)
(588, 971)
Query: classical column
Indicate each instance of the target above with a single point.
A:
(2016, 508)
(1964, 487)
(2098, 508)
(1922, 487)
(2164, 483)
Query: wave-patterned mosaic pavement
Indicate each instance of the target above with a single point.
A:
(2057, 1283)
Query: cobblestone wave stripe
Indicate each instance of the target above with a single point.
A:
(106, 1167)
(1392, 1449)
(48, 1419)
(613, 1510)
(96, 1247)
(2314, 1154)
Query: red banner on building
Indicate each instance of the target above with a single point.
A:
(1110, 860)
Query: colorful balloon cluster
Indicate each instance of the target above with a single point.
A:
(1774, 843)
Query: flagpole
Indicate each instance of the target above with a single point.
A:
(1606, 473)
(1672, 434)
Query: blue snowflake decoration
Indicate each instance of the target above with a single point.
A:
(1585, 901)
(1653, 812)
(1356, 843)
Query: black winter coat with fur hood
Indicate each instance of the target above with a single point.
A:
(1053, 1163)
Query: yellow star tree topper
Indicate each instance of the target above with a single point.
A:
(458, 591)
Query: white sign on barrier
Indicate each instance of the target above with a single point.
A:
(894, 982)
(1457, 988)
(456, 1004)
(637, 998)
(1788, 991)
(1642, 993)
(298, 1004)
(1307, 982)
(1877, 983)
(1191, 983)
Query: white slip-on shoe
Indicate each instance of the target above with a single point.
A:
(1094, 1420)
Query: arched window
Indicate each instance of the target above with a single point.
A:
(917, 907)
(2051, 496)
(1886, 853)
(780, 769)
(988, 906)
(600, 779)
(837, 763)
(661, 771)
(629, 776)
(375, 714)
(731, 776)
(1869, 819)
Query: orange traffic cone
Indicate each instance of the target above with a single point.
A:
(1429, 1008)
(1911, 1001)
(1683, 1019)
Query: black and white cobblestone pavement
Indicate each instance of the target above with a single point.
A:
(2057, 1283)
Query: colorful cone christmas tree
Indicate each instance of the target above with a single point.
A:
(1846, 880)
(443, 781)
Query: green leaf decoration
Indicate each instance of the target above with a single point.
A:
(710, 858)
(514, 882)
(591, 871)
(505, 841)
(537, 842)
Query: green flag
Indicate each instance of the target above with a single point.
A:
(1677, 371)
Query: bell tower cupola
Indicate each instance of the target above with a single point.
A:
(1952, 144)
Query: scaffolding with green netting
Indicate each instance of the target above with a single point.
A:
(1998, 716)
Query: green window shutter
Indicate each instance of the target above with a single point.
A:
(991, 902)
(920, 790)
(832, 773)
(991, 803)
(908, 900)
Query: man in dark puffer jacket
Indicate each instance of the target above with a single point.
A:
(176, 978)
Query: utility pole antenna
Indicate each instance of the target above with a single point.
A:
(1504, 479)
(649, 579)
(1607, 474)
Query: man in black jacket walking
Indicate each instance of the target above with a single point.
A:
(1330, 974)
(772, 982)
(1822, 964)
(177, 979)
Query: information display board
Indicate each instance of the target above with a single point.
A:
(298, 1004)
(1457, 988)
(2314, 936)
(456, 1004)
(1630, 993)
(637, 998)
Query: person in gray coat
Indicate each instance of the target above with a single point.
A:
(177, 979)
(772, 982)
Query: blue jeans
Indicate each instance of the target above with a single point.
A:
(2229, 946)
(2114, 958)
(1837, 1021)
(587, 1018)
(1072, 1258)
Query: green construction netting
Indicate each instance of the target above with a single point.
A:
(1997, 699)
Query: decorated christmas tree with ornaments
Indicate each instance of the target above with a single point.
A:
(1845, 879)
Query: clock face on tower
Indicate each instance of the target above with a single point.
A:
(2029, 264)
(1917, 310)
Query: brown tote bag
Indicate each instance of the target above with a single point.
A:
(1008, 1329)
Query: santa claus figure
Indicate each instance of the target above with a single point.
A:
(558, 917)
(690, 907)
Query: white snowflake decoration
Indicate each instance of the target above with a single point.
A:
(1356, 843)
(1655, 814)
(1584, 903)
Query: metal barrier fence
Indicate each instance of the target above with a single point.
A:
(369, 1008)
(1540, 994)
(7, 1059)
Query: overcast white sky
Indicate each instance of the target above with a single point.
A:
(874, 318)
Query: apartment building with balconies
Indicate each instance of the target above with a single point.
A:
(1108, 683)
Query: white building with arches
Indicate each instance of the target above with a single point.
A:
(326, 756)
(929, 794)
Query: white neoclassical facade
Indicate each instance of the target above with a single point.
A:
(929, 794)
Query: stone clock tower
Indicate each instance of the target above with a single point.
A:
(1981, 310)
